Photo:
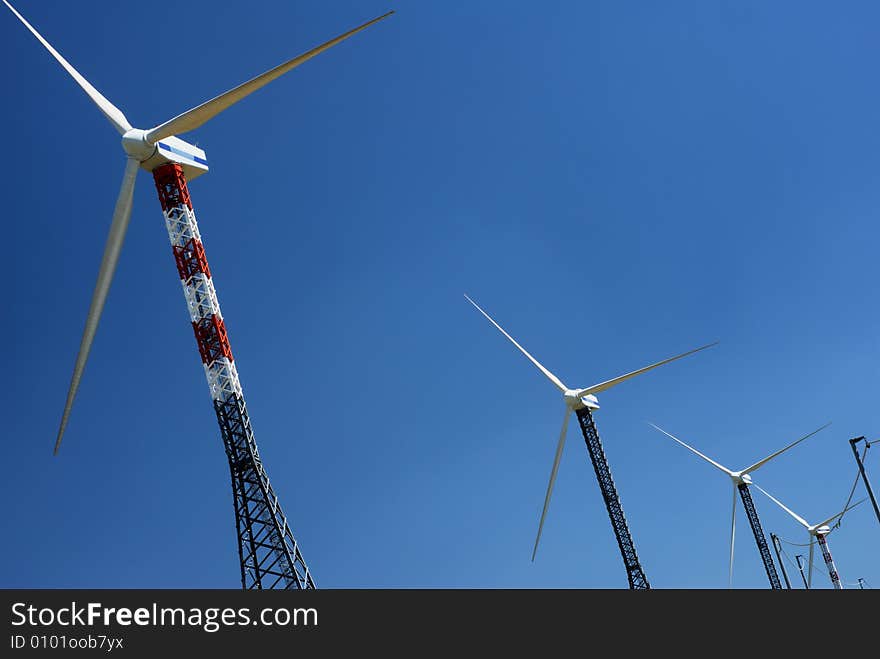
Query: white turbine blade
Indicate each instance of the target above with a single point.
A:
(732, 535)
(555, 380)
(692, 449)
(110, 111)
(783, 506)
(192, 119)
(603, 386)
(810, 569)
(553, 471)
(121, 215)
(760, 463)
(833, 517)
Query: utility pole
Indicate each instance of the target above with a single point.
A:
(852, 444)
(776, 547)
(801, 568)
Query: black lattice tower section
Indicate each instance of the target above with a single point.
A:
(758, 532)
(269, 554)
(634, 572)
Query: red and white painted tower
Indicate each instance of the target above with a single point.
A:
(829, 561)
(270, 556)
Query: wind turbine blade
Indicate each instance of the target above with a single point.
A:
(192, 119)
(783, 506)
(810, 569)
(760, 463)
(553, 471)
(555, 380)
(732, 535)
(603, 386)
(692, 449)
(110, 111)
(833, 517)
(116, 237)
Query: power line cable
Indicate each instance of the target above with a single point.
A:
(855, 482)
(787, 557)
(851, 492)
(807, 562)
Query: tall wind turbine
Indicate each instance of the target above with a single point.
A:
(817, 534)
(582, 402)
(269, 555)
(741, 480)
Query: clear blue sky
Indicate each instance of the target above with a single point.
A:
(615, 182)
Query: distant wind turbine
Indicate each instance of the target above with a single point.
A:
(582, 401)
(741, 480)
(817, 534)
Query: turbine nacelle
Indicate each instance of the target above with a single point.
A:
(575, 399)
(740, 478)
(822, 530)
(169, 149)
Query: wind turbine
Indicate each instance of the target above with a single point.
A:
(741, 480)
(269, 555)
(582, 402)
(817, 534)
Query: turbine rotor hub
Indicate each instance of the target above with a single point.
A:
(136, 146)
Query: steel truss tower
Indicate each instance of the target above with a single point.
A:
(829, 562)
(634, 572)
(268, 552)
(758, 532)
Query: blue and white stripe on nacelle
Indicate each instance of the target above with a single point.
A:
(174, 149)
(183, 154)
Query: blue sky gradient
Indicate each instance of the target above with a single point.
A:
(615, 182)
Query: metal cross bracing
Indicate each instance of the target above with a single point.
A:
(758, 532)
(269, 554)
(634, 572)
